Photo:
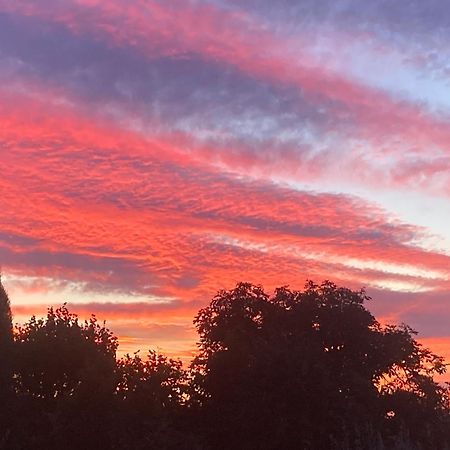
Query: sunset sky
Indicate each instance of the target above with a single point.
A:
(154, 152)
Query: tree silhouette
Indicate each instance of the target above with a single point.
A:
(152, 393)
(73, 393)
(59, 356)
(6, 354)
(6, 333)
(310, 369)
(65, 379)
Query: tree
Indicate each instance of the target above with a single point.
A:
(6, 328)
(311, 369)
(59, 356)
(152, 396)
(156, 384)
(6, 354)
(65, 381)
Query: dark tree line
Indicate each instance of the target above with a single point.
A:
(309, 369)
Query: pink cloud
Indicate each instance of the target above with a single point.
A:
(96, 197)
(174, 29)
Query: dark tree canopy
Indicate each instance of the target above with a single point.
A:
(6, 348)
(59, 356)
(310, 369)
(152, 393)
(6, 334)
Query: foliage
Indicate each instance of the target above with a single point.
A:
(151, 393)
(59, 356)
(304, 361)
(6, 370)
(309, 369)
(159, 380)
(6, 335)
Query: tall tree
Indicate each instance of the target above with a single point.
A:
(60, 356)
(65, 381)
(6, 329)
(311, 369)
(6, 363)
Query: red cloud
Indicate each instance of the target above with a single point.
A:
(107, 202)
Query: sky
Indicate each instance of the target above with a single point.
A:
(154, 152)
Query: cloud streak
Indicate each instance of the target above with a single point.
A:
(136, 67)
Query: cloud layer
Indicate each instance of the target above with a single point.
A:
(155, 152)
